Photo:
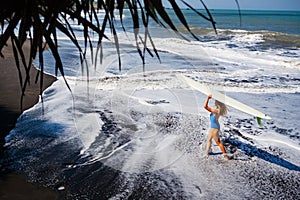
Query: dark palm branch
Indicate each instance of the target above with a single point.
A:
(39, 20)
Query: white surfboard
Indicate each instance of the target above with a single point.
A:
(205, 89)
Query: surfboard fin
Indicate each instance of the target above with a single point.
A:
(259, 122)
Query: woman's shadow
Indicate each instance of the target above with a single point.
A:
(252, 151)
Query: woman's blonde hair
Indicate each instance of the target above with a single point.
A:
(222, 107)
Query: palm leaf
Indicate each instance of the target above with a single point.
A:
(159, 8)
(210, 16)
(58, 62)
(27, 15)
(20, 51)
(41, 65)
(17, 61)
(239, 9)
(9, 31)
(120, 8)
(99, 45)
(181, 17)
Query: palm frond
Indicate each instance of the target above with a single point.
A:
(39, 21)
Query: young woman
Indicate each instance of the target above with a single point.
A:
(214, 130)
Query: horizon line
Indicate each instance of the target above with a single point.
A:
(298, 10)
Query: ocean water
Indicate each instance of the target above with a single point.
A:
(135, 134)
(257, 20)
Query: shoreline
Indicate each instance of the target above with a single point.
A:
(14, 185)
(10, 100)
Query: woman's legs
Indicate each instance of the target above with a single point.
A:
(218, 142)
(209, 138)
(214, 134)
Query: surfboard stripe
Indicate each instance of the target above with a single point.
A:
(205, 89)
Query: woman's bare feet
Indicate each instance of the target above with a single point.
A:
(227, 157)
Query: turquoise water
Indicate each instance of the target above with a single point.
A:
(251, 20)
(278, 29)
(277, 21)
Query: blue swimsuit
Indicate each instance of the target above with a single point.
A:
(214, 122)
